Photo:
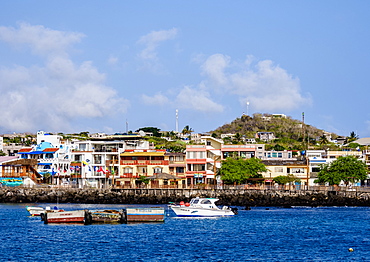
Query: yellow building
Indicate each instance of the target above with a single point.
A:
(141, 163)
(297, 168)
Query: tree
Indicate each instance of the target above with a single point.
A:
(47, 177)
(237, 138)
(283, 180)
(352, 137)
(144, 180)
(187, 130)
(153, 130)
(345, 168)
(239, 170)
(323, 140)
(278, 147)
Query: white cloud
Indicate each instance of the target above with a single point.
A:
(158, 100)
(152, 40)
(53, 95)
(197, 100)
(112, 60)
(149, 55)
(214, 68)
(41, 40)
(266, 86)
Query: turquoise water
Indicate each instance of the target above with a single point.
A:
(276, 234)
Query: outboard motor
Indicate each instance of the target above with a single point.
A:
(235, 210)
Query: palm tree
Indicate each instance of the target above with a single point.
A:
(352, 137)
(187, 130)
(323, 140)
(237, 138)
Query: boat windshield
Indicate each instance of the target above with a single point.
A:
(206, 202)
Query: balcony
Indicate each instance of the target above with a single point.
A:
(133, 175)
(144, 162)
(106, 150)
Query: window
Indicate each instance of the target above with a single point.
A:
(297, 170)
(141, 169)
(279, 170)
(200, 167)
(48, 156)
(157, 170)
(97, 159)
(128, 170)
(202, 154)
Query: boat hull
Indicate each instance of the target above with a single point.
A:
(107, 216)
(200, 212)
(35, 211)
(151, 214)
(76, 216)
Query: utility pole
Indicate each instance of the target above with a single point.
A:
(126, 126)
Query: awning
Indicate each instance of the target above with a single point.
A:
(35, 153)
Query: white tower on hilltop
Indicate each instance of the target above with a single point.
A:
(247, 108)
(177, 120)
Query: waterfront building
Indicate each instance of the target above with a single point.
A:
(136, 164)
(296, 168)
(16, 172)
(176, 164)
(52, 155)
(203, 160)
(315, 159)
(96, 162)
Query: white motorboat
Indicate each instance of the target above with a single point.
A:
(35, 211)
(202, 207)
(40, 211)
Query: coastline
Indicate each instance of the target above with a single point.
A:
(231, 197)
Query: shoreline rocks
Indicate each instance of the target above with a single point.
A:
(245, 198)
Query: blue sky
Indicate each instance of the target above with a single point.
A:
(76, 66)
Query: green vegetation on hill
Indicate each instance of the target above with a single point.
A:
(290, 134)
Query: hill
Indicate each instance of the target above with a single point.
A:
(290, 134)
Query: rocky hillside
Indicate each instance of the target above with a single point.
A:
(290, 133)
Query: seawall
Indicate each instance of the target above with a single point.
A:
(233, 197)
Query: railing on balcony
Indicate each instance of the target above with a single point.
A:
(131, 175)
(106, 150)
(144, 162)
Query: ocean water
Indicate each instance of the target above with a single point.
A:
(260, 234)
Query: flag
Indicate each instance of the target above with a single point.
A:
(101, 170)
